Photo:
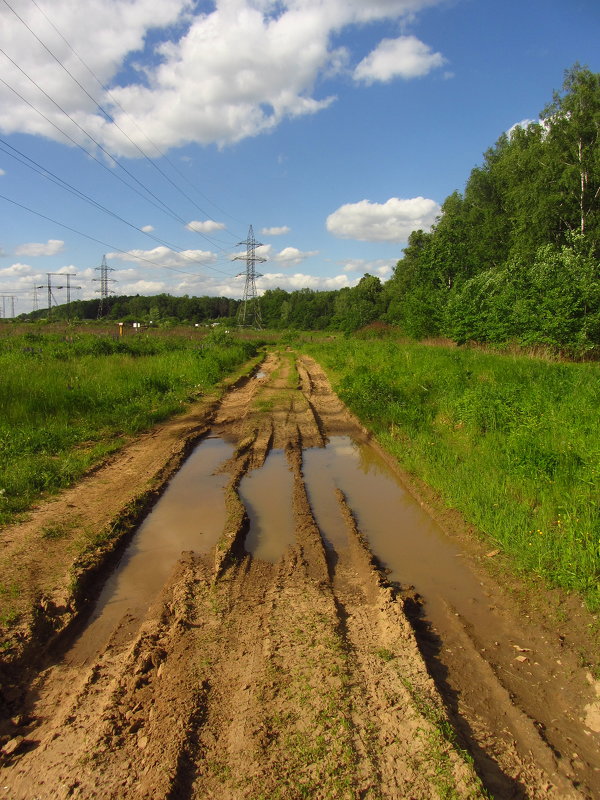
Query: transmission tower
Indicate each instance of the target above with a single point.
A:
(104, 281)
(50, 287)
(249, 310)
(12, 299)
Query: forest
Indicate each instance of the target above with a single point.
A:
(515, 257)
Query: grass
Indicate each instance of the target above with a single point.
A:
(512, 442)
(66, 401)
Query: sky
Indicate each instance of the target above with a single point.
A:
(155, 133)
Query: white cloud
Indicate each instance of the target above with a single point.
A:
(207, 226)
(143, 287)
(524, 123)
(165, 257)
(288, 257)
(380, 266)
(2, 172)
(299, 280)
(392, 221)
(50, 248)
(220, 72)
(275, 231)
(406, 57)
(291, 256)
(16, 270)
(147, 228)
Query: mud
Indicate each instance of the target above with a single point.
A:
(324, 638)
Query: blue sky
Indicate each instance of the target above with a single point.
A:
(334, 127)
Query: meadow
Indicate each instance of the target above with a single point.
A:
(512, 442)
(66, 401)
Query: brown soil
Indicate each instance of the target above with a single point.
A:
(308, 677)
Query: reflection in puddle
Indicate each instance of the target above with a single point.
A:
(189, 516)
(267, 495)
(403, 537)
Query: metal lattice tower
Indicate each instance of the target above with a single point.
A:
(249, 311)
(12, 299)
(104, 281)
(50, 287)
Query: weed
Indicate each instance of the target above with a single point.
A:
(385, 654)
(66, 406)
(511, 442)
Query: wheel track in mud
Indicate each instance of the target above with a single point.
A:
(255, 680)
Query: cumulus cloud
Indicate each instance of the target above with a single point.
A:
(524, 123)
(16, 270)
(291, 256)
(207, 226)
(147, 228)
(2, 172)
(50, 248)
(143, 287)
(275, 231)
(209, 73)
(406, 57)
(392, 221)
(381, 267)
(299, 280)
(165, 257)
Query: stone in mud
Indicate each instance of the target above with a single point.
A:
(11, 747)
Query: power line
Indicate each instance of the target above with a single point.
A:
(103, 110)
(129, 116)
(165, 207)
(24, 159)
(106, 244)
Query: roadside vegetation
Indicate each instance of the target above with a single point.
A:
(68, 401)
(512, 442)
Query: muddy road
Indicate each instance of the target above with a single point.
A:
(319, 636)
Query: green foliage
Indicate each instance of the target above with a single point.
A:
(553, 300)
(502, 261)
(514, 443)
(66, 403)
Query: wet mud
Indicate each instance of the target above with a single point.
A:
(321, 636)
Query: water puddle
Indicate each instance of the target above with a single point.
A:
(267, 495)
(189, 516)
(400, 533)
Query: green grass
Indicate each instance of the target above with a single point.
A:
(68, 401)
(512, 442)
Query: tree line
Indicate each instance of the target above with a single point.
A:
(515, 256)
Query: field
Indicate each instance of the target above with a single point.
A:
(68, 400)
(254, 637)
(511, 441)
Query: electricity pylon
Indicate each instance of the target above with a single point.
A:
(104, 281)
(249, 311)
(50, 287)
(12, 299)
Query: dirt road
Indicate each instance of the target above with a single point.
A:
(303, 675)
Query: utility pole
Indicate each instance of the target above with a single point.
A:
(12, 299)
(104, 280)
(249, 311)
(35, 298)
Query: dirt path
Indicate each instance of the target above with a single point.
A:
(309, 676)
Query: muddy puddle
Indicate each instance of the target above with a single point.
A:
(189, 516)
(403, 537)
(267, 496)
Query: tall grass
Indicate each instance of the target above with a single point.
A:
(512, 442)
(66, 402)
